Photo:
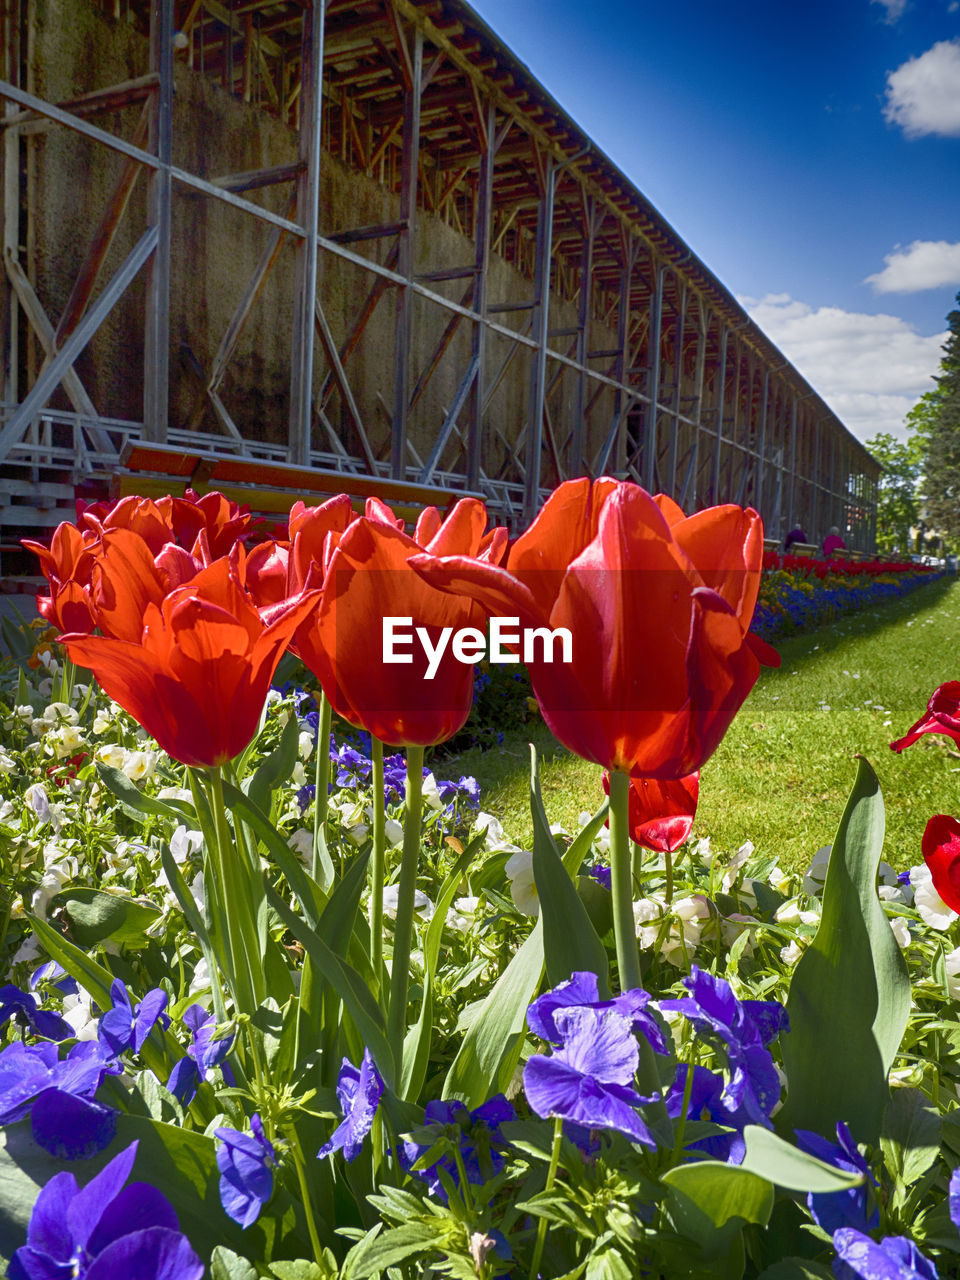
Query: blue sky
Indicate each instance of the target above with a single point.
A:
(799, 149)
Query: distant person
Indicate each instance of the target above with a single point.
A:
(795, 535)
(833, 542)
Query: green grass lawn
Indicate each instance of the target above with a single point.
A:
(781, 776)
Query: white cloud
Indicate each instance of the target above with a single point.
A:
(894, 8)
(869, 369)
(924, 264)
(923, 95)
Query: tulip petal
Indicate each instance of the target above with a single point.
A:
(941, 852)
(726, 545)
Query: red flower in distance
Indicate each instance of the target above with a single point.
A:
(661, 810)
(67, 565)
(658, 606)
(196, 677)
(941, 853)
(943, 716)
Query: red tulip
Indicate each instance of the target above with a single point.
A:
(195, 671)
(658, 606)
(368, 578)
(212, 522)
(661, 810)
(943, 716)
(67, 565)
(941, 853)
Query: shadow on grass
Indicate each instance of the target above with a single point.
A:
(794, 650)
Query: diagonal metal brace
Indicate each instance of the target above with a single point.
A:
(51, 376)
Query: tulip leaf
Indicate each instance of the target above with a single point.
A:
(910, 1137)
(416, 1046)
(347, 983)
(787, 1166)
(708, 1203)
(490, 1051)
(130, 795)
(570, 942)
(93, 977)
(306, 890)
(850, 994)
(796, 1269)
(276, 767)
(97, 914)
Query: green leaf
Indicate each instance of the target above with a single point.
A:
(416, 1045)
(348, 985)
(722, 1192)
(129, 794)
(796, 1269)
(93, 977)
(377, 1252)
(306, 890)
(304, 1269)
(570, 942)
(607, 1264)
(490, 1051)
(227, 1265)
(96, 914)
(276, 767)
(850, 994)
(787, 1166)
(910, 1136)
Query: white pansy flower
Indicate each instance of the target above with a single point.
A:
(602, 839)
(68, 739)
(138, 765)
(901, 931)
(184, 843)
(733, 925)
(523, 886)
(742, 855)
(52, 881)
(932, 908)
(60, 713)
(431, 796)
(816, 873)
(273, 697)
(789, 913)
(201, 977)
(298, 775)
(301, 842)
(358, 833)
(495, 840)
(422, 905)
(305, 746)
(791, 953)
(45, 688)
(28, 951)
(779, 880)
(7, 763)
(702, 852)
(112, 754)
(36, 798)
(951, 963)
(393, 832)
(174, 793)
(78, 1011)
(102, 721)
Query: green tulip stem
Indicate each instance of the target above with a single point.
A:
(322, 779)
(406, 894)
(377, 862)
(296, 1151)
(637, 867)
(621, 867)
(548, 1187)
(668, 887)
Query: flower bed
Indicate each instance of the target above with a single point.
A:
(799, 594)
(298, 1009)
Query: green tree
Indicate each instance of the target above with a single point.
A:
(898, 496)
(938, 420)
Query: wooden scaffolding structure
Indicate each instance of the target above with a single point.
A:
(621, 351)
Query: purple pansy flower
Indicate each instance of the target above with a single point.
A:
(58, 1095)
(359, 1090)
(104, 1231)
(602, 874)
(894, 1258)
(203, 1054)
(476, 1135)
(837, 1209)
(53, 972)
(24, 1008)
(581, 990)
(954, 1197)
(744, 1028)
(245, 1161)
(126, 1026)
(708, 1101)
(587, 1080)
